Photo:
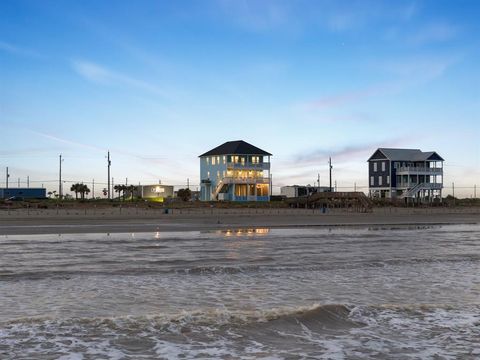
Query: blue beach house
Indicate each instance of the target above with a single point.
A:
(235, 171)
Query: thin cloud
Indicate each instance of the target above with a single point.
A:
(100, 74)
(352, 96)
(256, 15)
(18, 50)
(68, 142)
(349, 152)
(409, 72)
(148, 160)
(438, 32)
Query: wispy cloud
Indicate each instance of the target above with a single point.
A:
(18, 50)
(256, 15)
(352, 96)
(437, 32)
(100, 74)
(67, 142)
(408, 72)
(418, 69)
(348, 152)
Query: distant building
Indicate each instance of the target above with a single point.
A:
(299, 190)
(405, 173)
(156, 192)
(25, 193)
(235, 171)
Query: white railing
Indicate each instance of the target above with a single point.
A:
(428, 186)
(249, 165)
(419, 169)
(245, 180)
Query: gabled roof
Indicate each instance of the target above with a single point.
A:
(238, 147)
(406, 155)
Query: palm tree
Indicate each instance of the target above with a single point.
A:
(83, 189)
(75, 188)
(131, 189)
(119, 189)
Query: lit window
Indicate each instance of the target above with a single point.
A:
(208, 174)
(375, 167)
(213, 160)
(218, 160)
(224, 159)
(208, 160)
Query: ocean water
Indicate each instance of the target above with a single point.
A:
(338, 293)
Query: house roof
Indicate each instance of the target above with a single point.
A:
(239, 147)
(407, 155)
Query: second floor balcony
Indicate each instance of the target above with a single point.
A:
(245, 180)
(420, 170)
(248, 166)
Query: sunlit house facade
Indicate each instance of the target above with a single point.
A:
(235, 171)
(405, 174)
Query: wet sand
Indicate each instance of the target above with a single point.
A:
(129, 220)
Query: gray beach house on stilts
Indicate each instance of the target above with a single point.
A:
(405, 174)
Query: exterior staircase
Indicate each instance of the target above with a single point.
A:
(410, 193)
(220, 186)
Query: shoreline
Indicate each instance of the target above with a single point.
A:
(46, 221)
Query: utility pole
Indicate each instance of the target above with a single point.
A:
(18, 184)
(188, 183)
(126, 181)
(28, 181)
(355, 187)
(93, 188)
(318, 179)
(108, 176)
(330, 171)
(6, 179)
(474, 191)
(453, 193)
(60, 177)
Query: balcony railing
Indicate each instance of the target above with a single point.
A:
(249, 165)
(419, 170)
(246, 180)
(430, 186)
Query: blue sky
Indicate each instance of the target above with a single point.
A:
(159, 82)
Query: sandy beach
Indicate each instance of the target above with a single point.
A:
(115, 220)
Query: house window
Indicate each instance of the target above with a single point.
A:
(374, 167)
(372, 181)
(218, 174)
(218, 160)
(383, 165)
(224, 159)
(213, 160)
(208, 174)
(388, 179)
(255, 160)
(208, 160)
(380, 180)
